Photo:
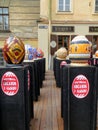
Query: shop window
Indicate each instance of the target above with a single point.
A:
(64, 5)
(96, 6)
(4, 16)
(63, 41)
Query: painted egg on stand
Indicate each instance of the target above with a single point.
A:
(80, 50)
(34, 53)
(61, 53)
(96, 54)
(40, 53)
(28, 52)
(13, 50)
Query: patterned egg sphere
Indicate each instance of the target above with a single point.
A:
(34, 53)
(80, 47)
(28, 52)
(13, 50)
(61, 53)
(40, 53)
(96, 54)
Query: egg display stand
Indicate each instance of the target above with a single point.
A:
(79, 61)
(56, 69)
(79, 97)
(15, 110)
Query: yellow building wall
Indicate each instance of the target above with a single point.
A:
(44, 6)
(32, 42)
(81, 17)
(23, 16)
(79, 11)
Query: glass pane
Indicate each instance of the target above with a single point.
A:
(0, 10)
(96, 8)
(5, 10)
(1, 27)
(1, 22)
(60, 5)
(96, 1)
(5, 27)
(5, 20)
(67, 8)
(67, 1)
(67, 5)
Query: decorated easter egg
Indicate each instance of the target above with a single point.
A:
(40, 53)
(28, 52)
(61, 53)
(13, 50)
(34, 53)
(96, 54)
(80, 48)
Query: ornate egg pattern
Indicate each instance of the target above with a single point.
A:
(80, 47)
(13, 50)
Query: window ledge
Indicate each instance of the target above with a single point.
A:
(3, 31)
(64, 12)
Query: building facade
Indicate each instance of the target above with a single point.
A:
(61, 20)
(19, 17)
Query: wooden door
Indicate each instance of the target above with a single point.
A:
(53, 49)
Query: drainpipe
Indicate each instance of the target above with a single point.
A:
(49, 17)
(49, 33)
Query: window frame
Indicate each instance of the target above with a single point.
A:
(95, 7)
(2, 16)
(65, 11)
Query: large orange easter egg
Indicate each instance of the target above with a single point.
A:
(80, 48)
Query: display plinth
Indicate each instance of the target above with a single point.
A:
(79, 97)
(15, 110)
(57, 63)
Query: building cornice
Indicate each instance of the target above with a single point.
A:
(46, 21)
(73, 22)
(43, 21)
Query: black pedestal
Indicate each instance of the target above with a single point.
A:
(79, 98)
(33, 80)
(15, 110)
(57, 63)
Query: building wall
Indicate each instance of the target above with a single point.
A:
(43, 41)
(81, 17)
(44, 8)
(23, 17)
(81, 11)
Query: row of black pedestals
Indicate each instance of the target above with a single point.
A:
(79, 92)
(20, 86)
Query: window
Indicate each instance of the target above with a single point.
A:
(64, 5)
(96, 5)
(4, 19)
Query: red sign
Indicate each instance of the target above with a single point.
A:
(80, 86)
(9, 83)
